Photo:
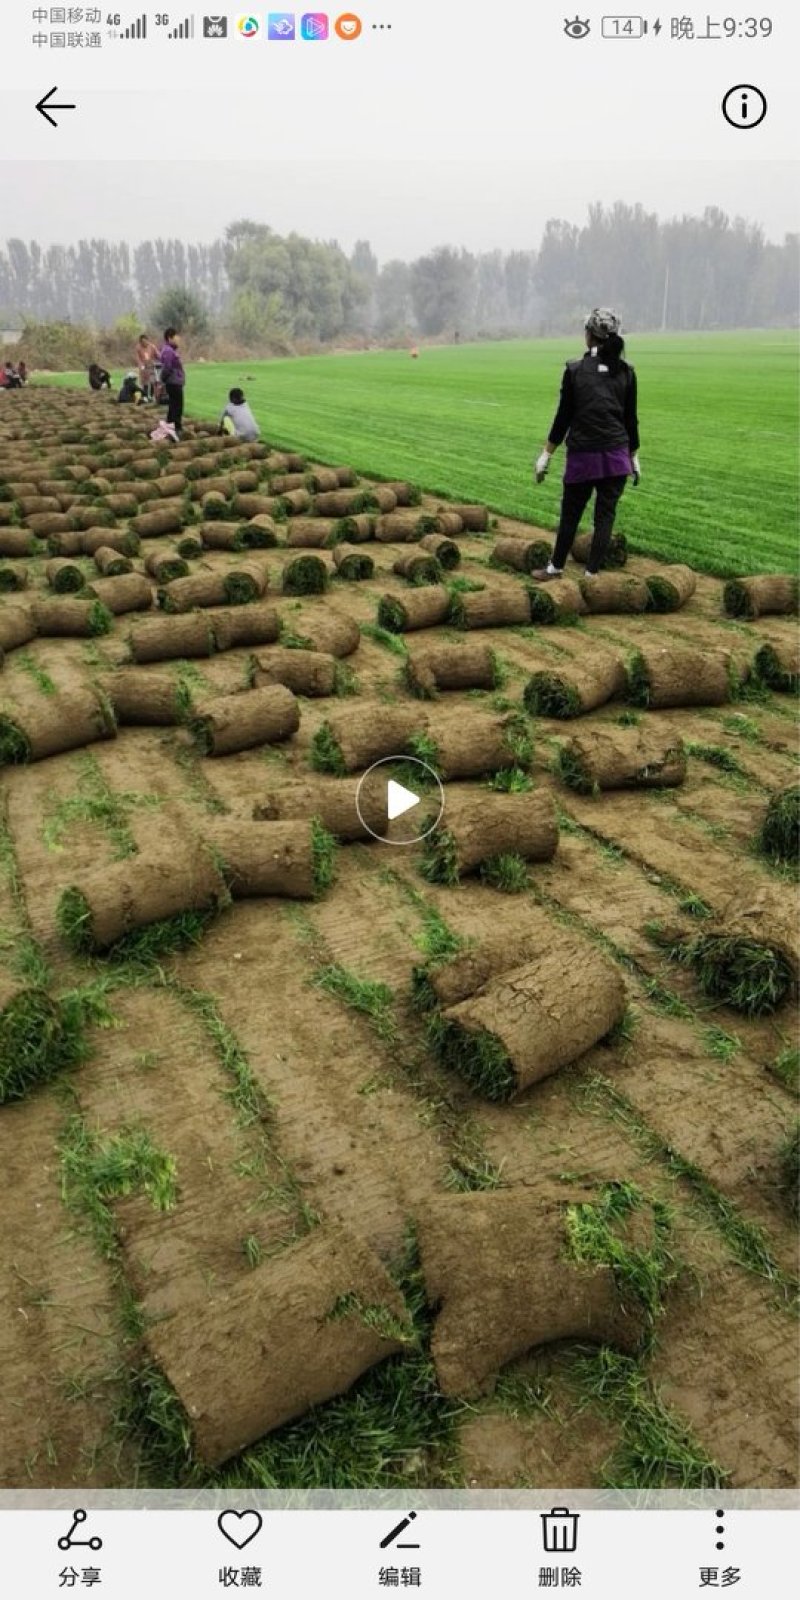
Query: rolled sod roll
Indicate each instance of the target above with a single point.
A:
(500, 1270)
(521, 554)
(286, 1337)
(556, 602)
(616, 555)
(255, 624)
(35, 1039)
(670, 588)
(173, 878)
(67, 544)
(475, 519)
(614, 591)
(241, 721)
(146, 698)
(365, 733)
(779, 836)
(145, 467)
(221, 535)
(321, 480)
(352, 563)
(406, 494)
(622, 758)
(246, 580)
(248, 506)
(400, 527)
(469, 747)
(305, 575)
(344, 503)
(53, 723)
(83, 618)
(214, 507)
(131, 591)
(295, 502)
(245, 480)
(189, 546)
(357, 529)
(284, 482)
(418, 608)
(476, 829)
(382, 498)
(31, 505)
(450, 666)
(311, 533)
(761, 596)
(323, 628)
(16, 542)
(574, 688)
(173, 483)
(122, 505)
(492, 608)
(90, 516)
(268, 858)
(749, 958)
(446, 552)
(778, 666)
(168, 638)
(64, 576)
(50, 522)
(199, 589)
(111, 563)
(165, 566)
(418, 568)
(528, 1022)
(17, 627)
(333, 801)
(260, 533)
(121, 539)
(151, 524)
(13, 576)
(660, 676)
(305, 672)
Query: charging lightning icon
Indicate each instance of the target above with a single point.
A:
(657, 25)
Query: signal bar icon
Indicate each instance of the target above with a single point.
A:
(184, 30)
(137, 30)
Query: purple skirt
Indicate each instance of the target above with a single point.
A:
(585, 465)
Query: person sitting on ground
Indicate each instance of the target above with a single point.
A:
(237, 418)
(11, 378)
(597, 415)
(99, 378)
(130, 394)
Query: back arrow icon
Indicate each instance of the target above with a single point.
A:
(45, 106)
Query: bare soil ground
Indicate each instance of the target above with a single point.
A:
(279, 1063)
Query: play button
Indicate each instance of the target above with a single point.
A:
(387, 787)
(400, 799)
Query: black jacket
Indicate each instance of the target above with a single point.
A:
(597, 408)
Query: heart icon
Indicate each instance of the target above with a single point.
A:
(239, 1527)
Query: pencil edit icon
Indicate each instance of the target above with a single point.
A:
(560, 1530)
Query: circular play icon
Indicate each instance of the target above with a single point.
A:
(409, 794)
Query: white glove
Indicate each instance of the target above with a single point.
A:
(637, 471)
(541, 466)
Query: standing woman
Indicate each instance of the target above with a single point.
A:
(173, 378)
(146, 358)
(597, 416)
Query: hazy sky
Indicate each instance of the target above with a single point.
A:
(402, 208)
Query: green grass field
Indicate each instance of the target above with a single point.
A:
(718, 416)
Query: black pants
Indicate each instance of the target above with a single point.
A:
(575, 499)
(175, 404)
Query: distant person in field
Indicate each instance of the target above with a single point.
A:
(146, 360)
(99, 378)
(238, 418)
(11, 378)
(173, 378)
(22, 372)
(597, 415)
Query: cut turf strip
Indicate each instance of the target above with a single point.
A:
(290, 859)
(478, 828)
(432, 668)
(498, 1269)
(289, 1336)
(761, 596)
(779, 837)
(38, 1037)
(240, 721)
(661, 676)
(176, 877)
(573, 689)
(52, 724)
(622, 758)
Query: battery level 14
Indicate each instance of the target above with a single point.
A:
(624, 27)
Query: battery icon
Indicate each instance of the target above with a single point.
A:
(624, 27)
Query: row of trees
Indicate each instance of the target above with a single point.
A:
(268, 290)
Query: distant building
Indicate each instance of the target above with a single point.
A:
(10, 336)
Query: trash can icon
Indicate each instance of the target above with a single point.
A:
(560, 1529)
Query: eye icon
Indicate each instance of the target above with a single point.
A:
(576, 29)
